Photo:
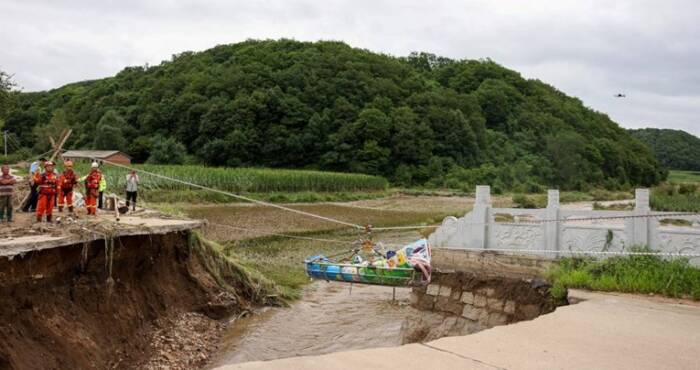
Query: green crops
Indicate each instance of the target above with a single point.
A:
(241, 180)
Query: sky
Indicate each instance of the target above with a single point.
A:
(647, 50)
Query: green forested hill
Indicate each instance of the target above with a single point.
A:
(675, 149)
(420, 119)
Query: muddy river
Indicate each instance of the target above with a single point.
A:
(329, 318)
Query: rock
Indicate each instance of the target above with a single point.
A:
(471, 313)
(509, 307)
(479, 301)
(468, 297)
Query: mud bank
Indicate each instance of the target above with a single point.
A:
(128, 304)
(461, 303)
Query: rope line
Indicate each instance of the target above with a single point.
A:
(233, 195)
(269, 233)
(545, 251)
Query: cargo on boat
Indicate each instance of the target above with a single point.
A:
(408, 266)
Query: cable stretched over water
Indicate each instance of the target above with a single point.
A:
(233, 195)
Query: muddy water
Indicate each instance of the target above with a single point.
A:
(329, 318)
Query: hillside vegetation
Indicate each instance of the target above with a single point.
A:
(675, 149)
(417, 120)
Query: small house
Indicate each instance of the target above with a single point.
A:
(112, 156)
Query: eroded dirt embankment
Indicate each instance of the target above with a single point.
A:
(63, 308)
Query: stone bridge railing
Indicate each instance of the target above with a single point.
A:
(532, 231)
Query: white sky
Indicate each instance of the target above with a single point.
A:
(648, 50)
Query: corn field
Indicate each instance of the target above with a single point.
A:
(240, 180)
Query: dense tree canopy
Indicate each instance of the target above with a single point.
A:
(420, 119)
(675, 149)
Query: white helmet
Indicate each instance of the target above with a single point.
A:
(95, 165)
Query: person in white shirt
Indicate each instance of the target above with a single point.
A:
(132, 188)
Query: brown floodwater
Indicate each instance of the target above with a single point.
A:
(328, 318)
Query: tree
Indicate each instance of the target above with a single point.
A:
(422, 119)
(167, 151)
(59, 122)
(110, 132)
(6, 96)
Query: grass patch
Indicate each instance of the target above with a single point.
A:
(281, 259)
(676, 197)
(235, 277)
(684, 176)
(629, 274)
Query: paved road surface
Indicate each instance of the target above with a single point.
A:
(604, 331)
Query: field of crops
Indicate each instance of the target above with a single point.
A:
(684, 176)
(242, 180)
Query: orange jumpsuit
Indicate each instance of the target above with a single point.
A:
(92, 184)
(66, 183)
(47, 183)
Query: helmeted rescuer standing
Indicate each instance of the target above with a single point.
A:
(47, 187)
(7, 185)
(66, 184)
(92, 185)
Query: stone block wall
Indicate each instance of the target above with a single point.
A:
(459, 303)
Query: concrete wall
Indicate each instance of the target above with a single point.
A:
(527, 234)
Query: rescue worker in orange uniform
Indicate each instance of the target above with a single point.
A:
(47, 183)
(92, 184)
(66, 183)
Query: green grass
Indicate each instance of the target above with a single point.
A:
(281, 259)
(629, 274)
(684, 176)
(673, 197)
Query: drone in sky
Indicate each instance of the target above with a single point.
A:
(620, 95)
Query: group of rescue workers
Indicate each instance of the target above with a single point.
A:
(48, 185)
(49, 188)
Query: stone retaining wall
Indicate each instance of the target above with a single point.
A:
(459, 303)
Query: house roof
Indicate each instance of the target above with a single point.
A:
(99, 154)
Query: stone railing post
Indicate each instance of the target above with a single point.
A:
(639, 232)
(477, 230)
(551, 229)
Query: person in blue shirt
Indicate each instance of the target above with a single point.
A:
(36, 166)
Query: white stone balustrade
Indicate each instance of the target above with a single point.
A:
(554, 232)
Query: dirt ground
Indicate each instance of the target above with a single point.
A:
(398, 210)
(85, 307)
